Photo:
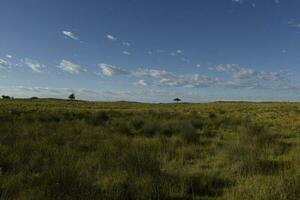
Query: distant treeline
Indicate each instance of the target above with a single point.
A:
(9, 97)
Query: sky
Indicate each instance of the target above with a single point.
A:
(151, 50)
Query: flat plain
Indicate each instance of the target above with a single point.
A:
(57, 149)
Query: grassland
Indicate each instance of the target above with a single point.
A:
(54, 149)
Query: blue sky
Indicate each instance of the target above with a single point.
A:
(151, 50)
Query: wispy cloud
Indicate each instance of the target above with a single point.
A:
(34, 65)
(186, 60)
(293, 23)
(5, 65)
(238, 72)
(177, 52)
(238, 1)
(111, 37)
(161, 77)
(253, 4)
(110, 70)
(239, 77)
(70, 67)
(126, 53)
(152, 73)
(141, 82)
(126, 44)
(70, 35)
(8, 56)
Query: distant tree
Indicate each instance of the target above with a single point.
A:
(6, 97)
(72, 96)
(177, 100)
(34, 98)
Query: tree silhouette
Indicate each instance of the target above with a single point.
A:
(72, 96)
(6, 97)
(177, 100)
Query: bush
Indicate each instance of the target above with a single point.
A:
(283, 187)
(249, 152)
(98, 118)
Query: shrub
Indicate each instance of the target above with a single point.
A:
(150, 127)
(282, 187)
(98, 118)
(187, 132)
(249, 152)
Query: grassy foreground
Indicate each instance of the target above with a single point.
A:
(51, 149)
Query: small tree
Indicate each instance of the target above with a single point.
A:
(6, 97)
(72, 96)
(177, 100)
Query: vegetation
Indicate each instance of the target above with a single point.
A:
(72, 96)
(54, 149)
(6, 97)
(177, 100)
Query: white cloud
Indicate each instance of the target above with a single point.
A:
(195, 80)
(126, 44)
(239, 77)
(270, 76)
(111, 37)
(8, 56)
(33, 65)
(198, 65)
(244, 73)
(141, 82)
(186, 60)
(238, 1)
(248, 78)
(126, 53)
(70, 67)
(236, 71)
(251, 1)
(70, 35)
(228, 68)
(165, 78)
(177, 52)
(152, 73)
(110, 70)
(293, 23)
(5, 64)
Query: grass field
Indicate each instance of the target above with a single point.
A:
(55, 149)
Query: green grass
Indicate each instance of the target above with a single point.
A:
(55, 149)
